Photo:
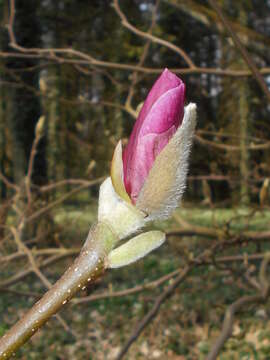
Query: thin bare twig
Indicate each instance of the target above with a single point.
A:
(40, 252)
(227, 147)
(48, 261)
(61, 199)
(153, 312)
(143, 56)
(8, 183)
(60, 183)
(148, 286)
(236, 306)
(75, 57)
(153, 38)
(130, 67)
(28, 178)
(20, 293)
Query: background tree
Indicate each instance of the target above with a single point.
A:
(87, 67)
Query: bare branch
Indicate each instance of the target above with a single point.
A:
(148, 286)
(151, 37)
(153, 312)
(236, 306)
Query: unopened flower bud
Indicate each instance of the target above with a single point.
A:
(148, 177)
(151, 171)
(40, 126)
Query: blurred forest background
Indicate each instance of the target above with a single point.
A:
(81, 70)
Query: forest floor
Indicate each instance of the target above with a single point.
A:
(186, 325)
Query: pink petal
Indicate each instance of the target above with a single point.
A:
(167, 111)
(161, 115)
(148, 148)
(165, 82)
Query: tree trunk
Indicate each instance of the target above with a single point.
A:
(234, 113)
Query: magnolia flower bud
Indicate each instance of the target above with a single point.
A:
(151, 171)
(148, 178)
(159, 118)
(40, 126)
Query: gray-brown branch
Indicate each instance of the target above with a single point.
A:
(153, 312)
(238, 305)
(87, 267)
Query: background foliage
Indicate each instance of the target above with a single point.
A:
(87, 67)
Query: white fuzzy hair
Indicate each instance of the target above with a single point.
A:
(166, 181)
